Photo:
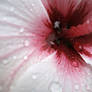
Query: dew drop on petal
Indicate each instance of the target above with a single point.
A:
(14, 57)
(21, 30)
(5, 62)
(5, 19)
(33, 4)
(55, 87)
(88, 21)
(76, 87)
(25, 57)
(35, 76)
(30, 9)
(26, 43)
(89, 73)
(12, 9)
(80, 47)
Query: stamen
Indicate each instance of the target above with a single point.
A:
(57, 26)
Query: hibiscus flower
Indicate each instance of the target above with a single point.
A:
(46, 46)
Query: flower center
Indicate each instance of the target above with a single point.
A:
(61, 24)
(56, 38)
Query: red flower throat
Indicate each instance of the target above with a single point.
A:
(68, 30)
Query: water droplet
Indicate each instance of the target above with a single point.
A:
(22, 30)
(12, 9)
(32, 4)
(55, 87)
(5, 62)
(30, 9)
(88, 21)
(25, 57)
(80, 47)
(4, 18)
(75, 64)
(35, 76)
(76, 86)
(26, 43)
(89, 73)
(14, 57)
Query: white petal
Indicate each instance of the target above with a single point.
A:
(17, 21)
(17, 14)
